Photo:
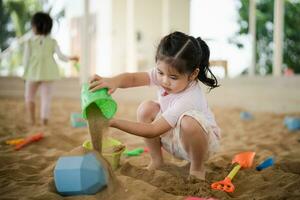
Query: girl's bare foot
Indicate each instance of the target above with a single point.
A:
(44, 122)
(154, 165)
(198, 174)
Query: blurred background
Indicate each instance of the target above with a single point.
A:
(255, 54)
(255, 44)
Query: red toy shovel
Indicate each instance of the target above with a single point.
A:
(29, 139)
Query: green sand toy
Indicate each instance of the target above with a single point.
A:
(101, 98)
(135, 152)
(77, 121)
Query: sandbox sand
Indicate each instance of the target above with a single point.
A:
(28, 173)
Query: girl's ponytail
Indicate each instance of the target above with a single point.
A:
(212, 82)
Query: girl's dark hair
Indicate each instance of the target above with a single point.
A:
(186, 53)
(42, 23)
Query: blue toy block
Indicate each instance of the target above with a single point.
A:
(266, 163)
(246, 116)
(292, 123)
(77, 120)
(79, 175)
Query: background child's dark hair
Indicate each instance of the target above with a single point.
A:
(42, 23)
(186, 53)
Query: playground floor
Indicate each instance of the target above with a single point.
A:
(28, 173)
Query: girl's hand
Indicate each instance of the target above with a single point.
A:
(74, 58)
(111, 122)
(98, 82)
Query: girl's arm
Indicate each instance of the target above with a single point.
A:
(147, 130)
(64, 57)
(26, 54)
(125, 80)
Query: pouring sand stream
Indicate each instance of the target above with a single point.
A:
(98, 125)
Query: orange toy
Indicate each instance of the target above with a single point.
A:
(14, 141)
(28, 140)
(243, 160)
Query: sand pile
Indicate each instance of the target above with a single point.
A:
(28, 173)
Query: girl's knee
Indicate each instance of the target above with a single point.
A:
(148, 109)
(190, 125)
(194, 138)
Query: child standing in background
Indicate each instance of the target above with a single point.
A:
(40, 67)
(180, 121)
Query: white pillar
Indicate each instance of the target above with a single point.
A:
(131, 60)
(104, 38)
(252, 31)
(278, 36)
(85, 68)
(165, 17)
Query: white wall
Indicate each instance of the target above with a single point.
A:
(109, 55)
(118, 61)
(180, 15)
(148, 22)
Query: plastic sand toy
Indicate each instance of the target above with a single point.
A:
(112, 157)
(28, 140)
(292, 123)
(246, 116)
(265, 164)
(101, 98)
(135, 152)
(243, 160)
(77, 121)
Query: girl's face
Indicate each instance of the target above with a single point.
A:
(170, 79)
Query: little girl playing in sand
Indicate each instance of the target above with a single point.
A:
(40, 67)
(180, 121)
